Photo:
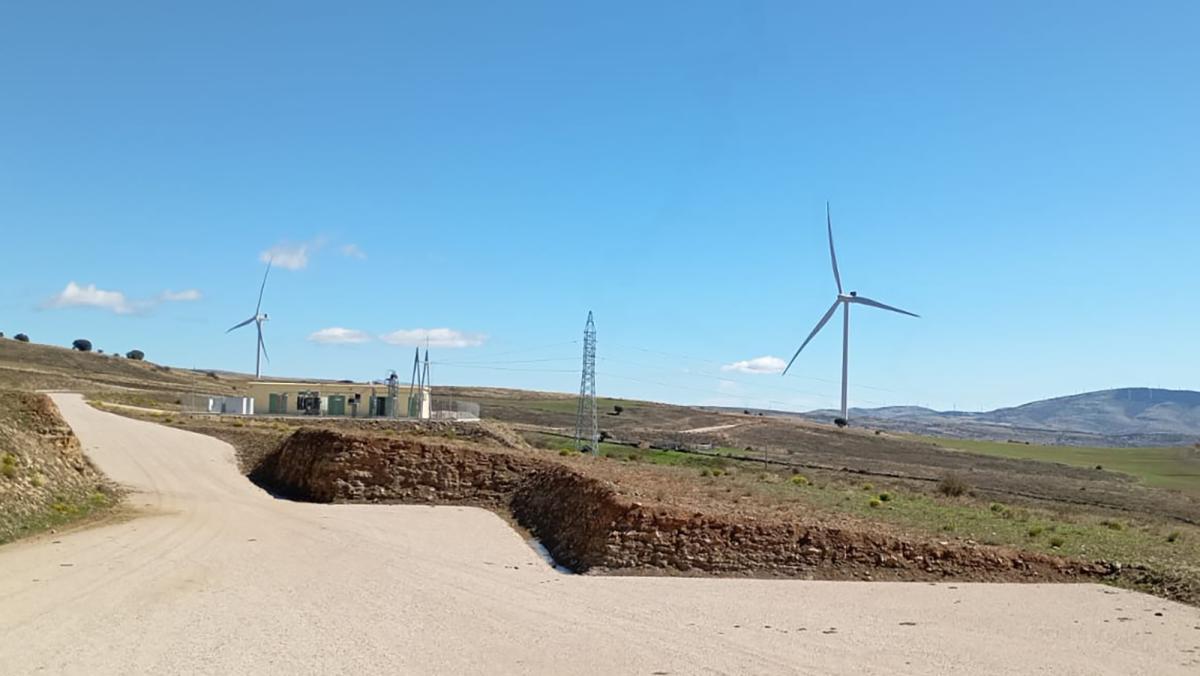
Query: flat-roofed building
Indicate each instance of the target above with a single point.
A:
(351, 400)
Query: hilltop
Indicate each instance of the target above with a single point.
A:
(1132, 416)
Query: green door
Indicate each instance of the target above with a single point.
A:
(337, 405)
(276, 404)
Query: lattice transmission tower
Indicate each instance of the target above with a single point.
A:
(587, 435)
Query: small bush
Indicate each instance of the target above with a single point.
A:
(996, 507)
(800, 480)
(717, 472)
(1112, 524)
(21, 338)
(953, 486)
(1035, 531)
(38, 480)
(868, 487)
(705, 472)
(618, 409)
(1057, 541)
(875, 503)
(136, 355)
(1099, 466)
(8, 465)
(82, 344)
(885, 497)
(1173, 536)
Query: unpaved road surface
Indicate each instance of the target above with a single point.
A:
(218, 577)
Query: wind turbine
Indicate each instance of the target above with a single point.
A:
(845, 300)
(258, 319)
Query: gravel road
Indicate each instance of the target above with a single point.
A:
(215, 576)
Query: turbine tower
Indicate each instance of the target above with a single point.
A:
(845, 300)
(587, 435)
(258, 318)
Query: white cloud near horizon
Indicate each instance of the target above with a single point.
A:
(74, 295)
(449, 338)
(759, 365)
(353, 251)
(336, 335)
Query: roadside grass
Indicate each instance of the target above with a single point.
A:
(65, 509)
(1168, 546)
(630, 454)
(1177, 468)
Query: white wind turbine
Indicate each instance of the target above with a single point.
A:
(258, 319)
(845, 300)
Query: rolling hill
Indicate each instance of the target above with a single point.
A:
(1132, 416)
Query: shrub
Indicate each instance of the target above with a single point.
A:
(8, 465)
(82, 344)
(21, 338)
(885, 497)
(1035, 531)
(952, 485)
(618, 409)
(137, 355)
(1173, 536)
(996, 507)
(800, 480)
(868, 487)
(604, 436)
(1099, 466)
(875, 503)
(717, 472)
(1057, 541)
(705, 472)
(1112, 524)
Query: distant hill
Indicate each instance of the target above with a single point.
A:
(1133, 416)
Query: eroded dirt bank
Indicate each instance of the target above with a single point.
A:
(589, 525)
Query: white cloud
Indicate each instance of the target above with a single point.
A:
(289, 256)
(179, 296)
(766, 364)
(433, 337)
(75, 295)
(352, 251)
(89, 296)
(336, 335)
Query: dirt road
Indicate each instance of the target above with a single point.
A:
(219, 577)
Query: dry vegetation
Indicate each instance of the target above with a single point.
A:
(749, 468)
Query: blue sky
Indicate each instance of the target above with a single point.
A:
(1022, 175)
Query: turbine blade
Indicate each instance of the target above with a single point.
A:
(262, 288)
(820, 325)
(263, 346)
(832, 256)
(240, 325)
(881, 306)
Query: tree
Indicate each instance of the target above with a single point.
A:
(82, 344)
(618, 409)
(136, 354)
(21, 338)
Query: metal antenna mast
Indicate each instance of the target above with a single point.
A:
(587, 436)
(417, 384)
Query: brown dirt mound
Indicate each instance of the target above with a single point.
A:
(589, 525)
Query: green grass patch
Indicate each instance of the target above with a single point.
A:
(1177, 468)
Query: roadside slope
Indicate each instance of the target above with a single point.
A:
(219, 577)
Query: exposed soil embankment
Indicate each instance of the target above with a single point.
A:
(587, 524)
(45, 479)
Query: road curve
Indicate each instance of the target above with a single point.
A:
(220, 578)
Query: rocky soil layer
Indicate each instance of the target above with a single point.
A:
(587, 524)
(45, 478)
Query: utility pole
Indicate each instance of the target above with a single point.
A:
(587, 435)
